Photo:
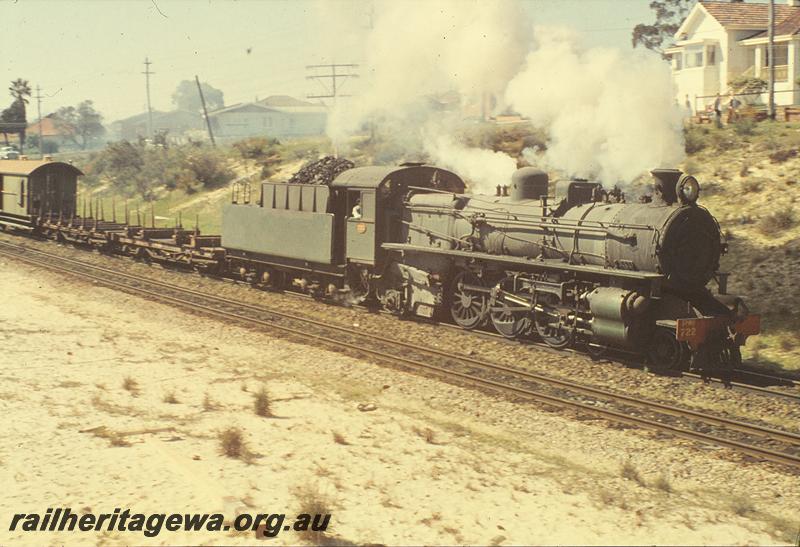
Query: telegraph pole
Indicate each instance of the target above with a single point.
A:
(334, 78)
(147, 74)
(771, 57)
(39, 108)
(205, 112)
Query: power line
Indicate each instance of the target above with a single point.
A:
(333, 76)
(147, 74)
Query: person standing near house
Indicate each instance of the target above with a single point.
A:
(733, 108)
(688, 111)
(718, 111)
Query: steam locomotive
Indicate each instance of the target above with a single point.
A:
(578, 267)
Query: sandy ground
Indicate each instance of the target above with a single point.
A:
(432, 464)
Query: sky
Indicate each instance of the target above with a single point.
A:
(95, 49)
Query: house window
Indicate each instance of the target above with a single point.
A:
(711, 55)
(694, 58)
(781, 55)
(678, 61)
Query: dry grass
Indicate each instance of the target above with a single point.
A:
(262, 404)
(209, 404)
(312, 502)
(114, 438)
(663, 484)
(338, 438)
(130, 385)
(777, 222)
(233, 444)
(428, 434)
(741, 505)
(628, 471)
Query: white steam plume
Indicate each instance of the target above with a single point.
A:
(608, 113)
(419, 49)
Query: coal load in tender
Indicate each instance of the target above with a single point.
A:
(322, 171)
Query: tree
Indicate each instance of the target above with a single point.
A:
(669, 16)
(20, 89)
(79, 124)
(186, 97)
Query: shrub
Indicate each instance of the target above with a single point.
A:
(780, 220)
(628, 471)
(744, 126)
(694, 140)
(261, 403)
(781, 155)
(232, 443)
(256, 147)
(129, 384)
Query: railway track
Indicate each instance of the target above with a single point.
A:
(763, 443)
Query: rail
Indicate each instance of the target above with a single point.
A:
(768, 444)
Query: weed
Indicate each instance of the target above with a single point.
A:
(209, 404)
(312, 502)
(233, 443)
(782, 154)
(261, 403)
(779, 221)
(745, 170)
(428, 434)
(338, 438)
(662, 483)
(742, 505)
(628, 471)
(131, 385)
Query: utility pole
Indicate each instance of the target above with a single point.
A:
(39, 108)
(333, 76)
(205, 112)
(771, 58)
(147, 74)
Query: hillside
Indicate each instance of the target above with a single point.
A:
(750, 179)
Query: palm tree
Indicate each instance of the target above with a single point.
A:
(20, 89)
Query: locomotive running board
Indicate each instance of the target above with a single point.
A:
(518, 261)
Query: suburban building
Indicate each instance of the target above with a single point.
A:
(720, 41)
(175, 123)
(277, 116)
(50, 131)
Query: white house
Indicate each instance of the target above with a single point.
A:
(276, 116)
(720, 41)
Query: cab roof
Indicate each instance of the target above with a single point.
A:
(26, 168)
(426, 176)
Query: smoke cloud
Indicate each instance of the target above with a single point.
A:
(607, 113)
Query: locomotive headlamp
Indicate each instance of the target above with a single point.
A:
(688, 189)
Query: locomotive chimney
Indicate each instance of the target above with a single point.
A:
(666, 181)
(528, 183)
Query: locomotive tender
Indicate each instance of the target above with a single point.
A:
(579, 268)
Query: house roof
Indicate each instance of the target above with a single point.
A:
(789, 26)
(284, 100)
(746, 14)
(26, 167)
(243, 107)
(49, 128)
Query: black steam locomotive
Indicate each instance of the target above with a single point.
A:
(574, 267)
